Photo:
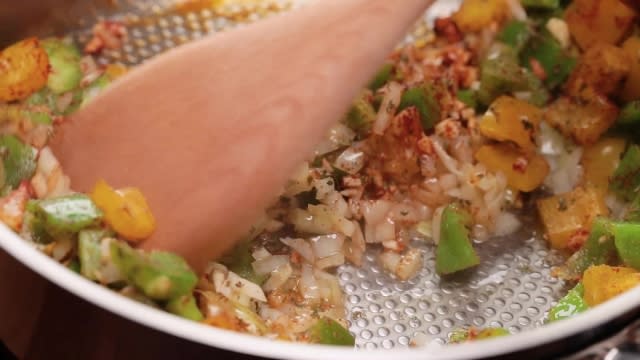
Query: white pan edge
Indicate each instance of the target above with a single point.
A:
(247, 344)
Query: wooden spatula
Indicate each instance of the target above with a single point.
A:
(211, 131)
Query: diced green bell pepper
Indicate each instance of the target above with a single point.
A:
(19, 160)
(516, 34)
(74, 265)
(64, 61)
(625, 181)
(597, 250)
(239, 261)
(361, 115)
(185, 306)
(632, 213)
(66, 214)
(570, 305)
(382, 77)
(468, 97)
(90, 252)
(501, 74)
(555, 61)
(454, 251)
(630, 114)
(329, 332)
(424, 99)
(159, 275)
(93, 89)
(627, 240)
(541, 4)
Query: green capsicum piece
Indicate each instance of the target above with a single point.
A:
(19, 160)
(541, 4)
(630, 114)
(625, 181)
(632, 213)
(239, 261)
(185, 306)
(66, 214)
(159, 275)
(468, 97)
(329, 332)
(423, 97)
(598, 249)
(627, 241)
(500, 74)
(74, 265)
(64, 61)
(93, 89)
(548, 52)
(454, 251)
(90, 252)
(361, 115)
(516, 34)
(570, 305)
(382, 77)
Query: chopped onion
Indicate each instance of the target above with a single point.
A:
(506, 224)
(390, 102)
(278, 277)
(339, 135)
(411, 262)
(350, 161)
(450, 163)
(375, 211)
(61, 248)
(390, 260)
(323, 187)
(308, 286)
(245, 287)
(299, 182)
(327, 245)
(517, 10)
(355, 246)
(338, 204)
(435, 227)
(260, 253)
(302, 247)
(317, 223)
(385, 231)
(64, 101)
(330, 289)
(330, 261)
(269, 264)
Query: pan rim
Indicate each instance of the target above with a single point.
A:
(258, 346)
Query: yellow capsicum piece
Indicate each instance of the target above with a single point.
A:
(125, 210)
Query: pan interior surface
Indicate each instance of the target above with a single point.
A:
(512, 288)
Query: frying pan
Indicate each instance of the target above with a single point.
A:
(512, 288)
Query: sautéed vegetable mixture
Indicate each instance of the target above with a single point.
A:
(506, 105)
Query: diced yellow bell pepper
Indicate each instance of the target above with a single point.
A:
(603, 282)
(524, 172)
(631, 90)
(125, 210)
(115, 71)
(593, 21)
(24, 69)
(600, 160)
(474, 15)
(569, 214)
(510, 119)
